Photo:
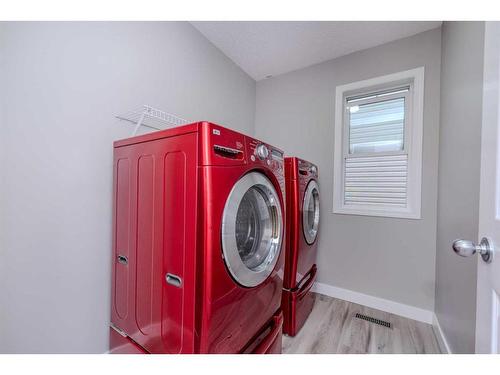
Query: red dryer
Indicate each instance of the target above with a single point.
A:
(198, 233)
(302, 221)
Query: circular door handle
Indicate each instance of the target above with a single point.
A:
(466, 248)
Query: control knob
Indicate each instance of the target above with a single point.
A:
(261, 151)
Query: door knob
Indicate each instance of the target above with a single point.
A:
(466, 248)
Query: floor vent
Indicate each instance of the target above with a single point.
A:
(373, 320)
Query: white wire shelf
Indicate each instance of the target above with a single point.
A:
(150, 117)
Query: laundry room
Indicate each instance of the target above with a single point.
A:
(203, 184)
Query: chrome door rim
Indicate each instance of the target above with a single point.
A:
(310, 235)
(239, 271)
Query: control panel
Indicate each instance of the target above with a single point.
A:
(307, 172)
(226, 147)
(262, 154)
(308, 169)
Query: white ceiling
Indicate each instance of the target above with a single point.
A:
(265, 49)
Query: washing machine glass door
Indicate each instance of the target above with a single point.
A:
(252, 229)
(310, 212)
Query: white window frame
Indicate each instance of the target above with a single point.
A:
(413, 134)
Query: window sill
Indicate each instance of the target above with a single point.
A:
(378, 213)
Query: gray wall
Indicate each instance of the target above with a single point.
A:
(459, 168)
(383, 257)
(62, 84)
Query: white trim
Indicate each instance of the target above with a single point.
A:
(386, 305)
(440, 337)
(380, 212)
(414, 147)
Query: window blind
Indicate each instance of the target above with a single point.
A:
(376, 180)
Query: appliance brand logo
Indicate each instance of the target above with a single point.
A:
(215, 131)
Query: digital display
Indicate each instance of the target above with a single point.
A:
(277, 154)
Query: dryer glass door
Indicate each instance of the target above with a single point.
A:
(252, 229)
(310, 212)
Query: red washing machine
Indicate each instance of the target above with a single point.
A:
(302, 221)
(198, 234)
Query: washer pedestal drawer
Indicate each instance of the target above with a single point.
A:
(268, 341)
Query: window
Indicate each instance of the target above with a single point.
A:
(378, 146)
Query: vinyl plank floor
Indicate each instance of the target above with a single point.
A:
(332, 327)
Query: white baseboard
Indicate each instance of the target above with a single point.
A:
(392, 307)
(441, 338)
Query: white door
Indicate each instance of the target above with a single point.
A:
(488, 284)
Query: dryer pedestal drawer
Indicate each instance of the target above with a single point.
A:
(297, 304)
